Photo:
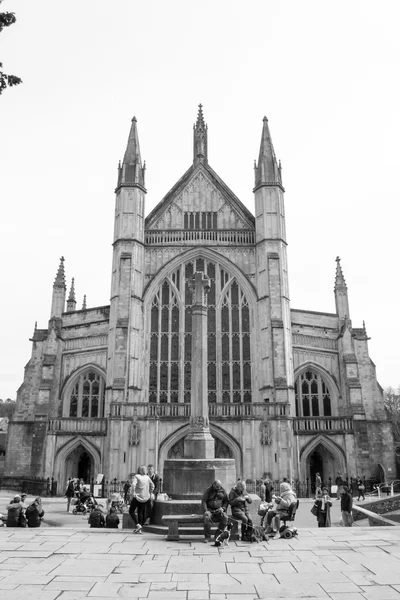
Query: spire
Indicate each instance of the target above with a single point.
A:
(131, 171)
(340, 283)
(200, 138)
(71, 301)
(59, 292)
(341, 296)
(60, 277)
(84, 303)
(267, 170)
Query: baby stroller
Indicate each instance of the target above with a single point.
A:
(85, 504)
(116, 501)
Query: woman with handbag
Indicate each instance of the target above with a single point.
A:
(322, 509)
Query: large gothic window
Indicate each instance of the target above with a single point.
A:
(86, 398)
(312, 395)
(228, 324)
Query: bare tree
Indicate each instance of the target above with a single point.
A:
(7, 19)
(392, 405)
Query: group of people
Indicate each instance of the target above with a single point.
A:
(139, 494)
(323, 501)
(215, 502)
(21, 515)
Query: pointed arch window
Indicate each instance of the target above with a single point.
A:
(313, 398)
(228, 337)
(86, 399)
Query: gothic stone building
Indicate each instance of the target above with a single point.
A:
(290, 391)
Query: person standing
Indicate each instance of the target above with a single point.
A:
(318, 485)
(214, 504)
(142, 487)
(268, 490)
(127, 487)
(339, 482)
(323, 504)
(156, 479)
(360, 488)
(70, 492)
(262, 490)
(35, 513)
(346, 504)
(238, 500)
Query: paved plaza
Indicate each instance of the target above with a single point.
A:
(67, 563)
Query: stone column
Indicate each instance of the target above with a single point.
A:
(199, 442)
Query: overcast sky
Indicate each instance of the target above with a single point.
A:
(326, 74)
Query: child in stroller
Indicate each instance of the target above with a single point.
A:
(85, 502)
(116, 501)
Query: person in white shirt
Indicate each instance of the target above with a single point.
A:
(142, 487)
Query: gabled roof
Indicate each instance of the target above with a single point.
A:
(225, 191)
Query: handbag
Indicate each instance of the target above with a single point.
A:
(314, 510)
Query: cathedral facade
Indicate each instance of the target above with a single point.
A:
(290, 392)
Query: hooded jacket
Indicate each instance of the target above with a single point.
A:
(34, 514)
(14, 511)
(287, 497)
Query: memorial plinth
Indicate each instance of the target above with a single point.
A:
(188, 477)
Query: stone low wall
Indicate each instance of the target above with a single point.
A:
(376, 511)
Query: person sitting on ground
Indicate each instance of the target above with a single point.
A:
(15, 513)
(112, 519)
(286, 498)
(96, 517)
(346, 504)
(238, 500)
(214, 504)
(35, 513)
(142, 488)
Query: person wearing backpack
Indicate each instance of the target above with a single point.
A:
(96, 517)
(35, 513)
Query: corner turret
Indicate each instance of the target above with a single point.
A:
(59, 292)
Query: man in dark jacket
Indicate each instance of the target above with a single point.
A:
(214, 504)
(238, 499)
(346, 504)
(96, 517)
(15, 513)
(35, 513)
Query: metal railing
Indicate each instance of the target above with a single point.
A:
(199, 236)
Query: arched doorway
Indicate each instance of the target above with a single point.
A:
(322, 455)
(316, 465)
(79, 463)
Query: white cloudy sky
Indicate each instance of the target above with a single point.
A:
(325, 73)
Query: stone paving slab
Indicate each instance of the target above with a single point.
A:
(321, 564)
